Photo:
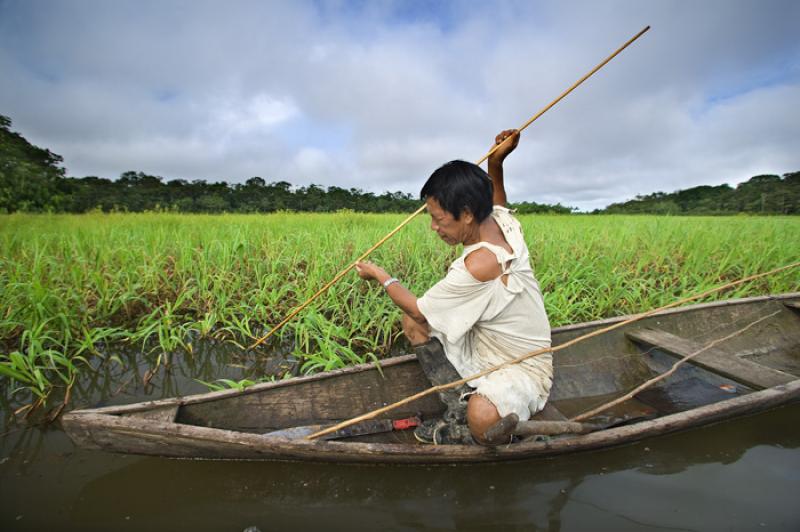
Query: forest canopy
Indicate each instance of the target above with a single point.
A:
(761, 194)
(33, 179)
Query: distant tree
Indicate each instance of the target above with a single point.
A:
(30, 177)
(761, 194)
(702, 199)
(311, 198)
(177, 196)
(255, 182)
(530, 207)
(141, 191)
(213, 203)
(92, 192)
(754, 194)
(280, 195)
(252, 196)
(791, 193)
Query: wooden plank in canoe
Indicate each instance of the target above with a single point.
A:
(714, 359)
(549, 413)
(794, 305)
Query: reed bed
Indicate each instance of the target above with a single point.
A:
(75, 289)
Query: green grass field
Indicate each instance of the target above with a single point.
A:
(75, 287)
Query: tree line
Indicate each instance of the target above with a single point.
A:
(32, 179)
(761, 194)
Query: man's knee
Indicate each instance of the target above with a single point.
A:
(417, 333)
(481, 415)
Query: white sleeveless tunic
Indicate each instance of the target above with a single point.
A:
(483, 324)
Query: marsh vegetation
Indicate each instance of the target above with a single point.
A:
(78, 290)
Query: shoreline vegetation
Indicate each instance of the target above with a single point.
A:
(76, 289)
(33, 180)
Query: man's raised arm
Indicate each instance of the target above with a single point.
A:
(508, 141)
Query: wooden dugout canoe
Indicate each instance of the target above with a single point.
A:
(752, 372)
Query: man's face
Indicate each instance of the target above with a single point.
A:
(446, 226)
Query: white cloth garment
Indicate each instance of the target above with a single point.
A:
(483, 324)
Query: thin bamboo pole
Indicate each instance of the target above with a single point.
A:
(573, 87)
(670, 371)
(422, 208)
(638, 317)
(339, 275)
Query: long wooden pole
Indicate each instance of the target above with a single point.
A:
(638, 317)
(405, 222)
(648, 383)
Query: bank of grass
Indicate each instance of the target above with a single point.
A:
(74, 288)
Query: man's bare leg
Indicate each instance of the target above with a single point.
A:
(483, 415)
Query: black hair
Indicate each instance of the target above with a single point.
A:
(460, 185)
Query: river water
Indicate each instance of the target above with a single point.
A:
(737, 475)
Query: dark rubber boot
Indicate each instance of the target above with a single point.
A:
(440, 371)
(452, 427)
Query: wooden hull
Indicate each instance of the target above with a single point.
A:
(759, 369)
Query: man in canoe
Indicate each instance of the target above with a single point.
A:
(487, 310)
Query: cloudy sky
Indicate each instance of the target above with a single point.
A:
(375, 95)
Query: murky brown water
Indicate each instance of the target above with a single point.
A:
(739, 475)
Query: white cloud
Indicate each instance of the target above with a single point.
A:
(376, 96)
(260, 112)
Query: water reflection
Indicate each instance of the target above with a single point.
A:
(532, 495)
(111, 381)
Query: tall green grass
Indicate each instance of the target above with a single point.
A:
(73, 289)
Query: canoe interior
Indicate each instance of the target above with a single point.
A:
(586, 375)
(317, 401)
(756, 370)
(602, 368)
